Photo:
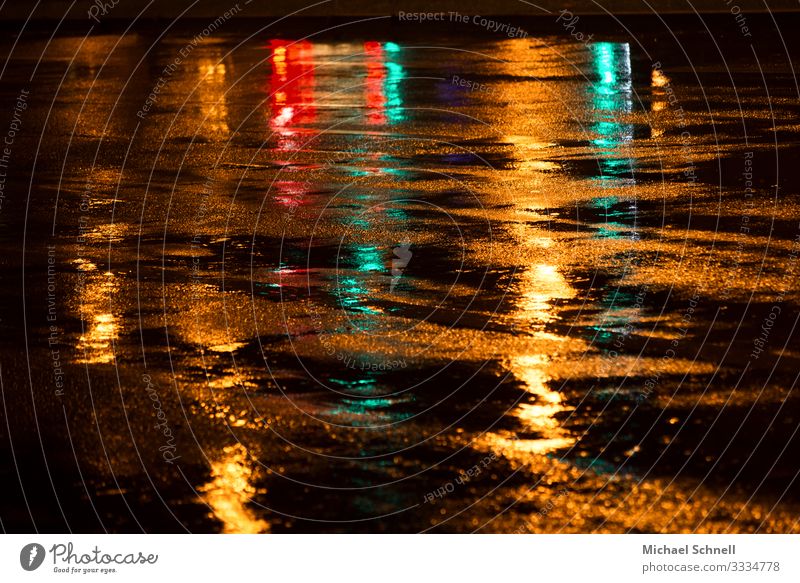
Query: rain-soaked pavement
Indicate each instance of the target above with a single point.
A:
(395, 280)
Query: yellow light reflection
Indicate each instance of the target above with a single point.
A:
(529, 152)
(227, 347)
(658, 79)
(95, 346)
(211, 90)
(540, 429)
(659, 102)
(539, 286)
(279, 60)
(230, 490)
(540, 416)
(230, 379)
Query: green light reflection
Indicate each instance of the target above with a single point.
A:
(612, 99)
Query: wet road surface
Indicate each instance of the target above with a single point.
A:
(355, 283)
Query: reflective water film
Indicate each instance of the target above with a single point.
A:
(360, 278)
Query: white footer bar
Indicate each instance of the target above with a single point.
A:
(400, 558)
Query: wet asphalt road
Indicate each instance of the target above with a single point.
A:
(400, 280)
